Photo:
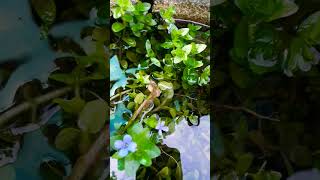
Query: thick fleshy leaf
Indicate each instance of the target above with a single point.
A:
(93, 116)
(67, 138)
(267, 10)
(310, 28)
(117, 27)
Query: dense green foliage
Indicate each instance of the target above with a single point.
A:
(149, 50)
(267, 75)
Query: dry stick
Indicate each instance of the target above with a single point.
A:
(85, 161)
(137, 112)
(249, 111)
(6, 116)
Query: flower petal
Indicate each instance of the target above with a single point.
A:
(158, 126)
(160, 133)
(165, 128)
(127, 139)
(132, 147)
(118, 144)
(123, 152)
(163, 123)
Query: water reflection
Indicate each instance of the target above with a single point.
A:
(193, 143)
(21, 42)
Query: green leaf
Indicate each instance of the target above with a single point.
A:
(46, 10)
(266, 10)
(67, 138)
(200, 48)
(190, 76)
(167, 45)
(151, 121)
(173, 112)
(187, 48)
(163, 85)
(164, 173)
(131, 165)
(155, 61)
(139, 98)
(64, 78)
(192, 63)
(244, 163)
(167, 14)
(310, 29)
(150, 52)
(117, 27)
(84, 142)
(205, 76)
(127, 18)
(143, 7)
(116, 12)
(93, 116)
(73, 106)
(130, 41)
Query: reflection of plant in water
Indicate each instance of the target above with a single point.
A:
(265, 121)
(158, 70)
(80, 78)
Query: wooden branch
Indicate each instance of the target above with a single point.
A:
(249, 111)
(16, 110)
(85, 161)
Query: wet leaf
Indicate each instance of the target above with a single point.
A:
(46, 10)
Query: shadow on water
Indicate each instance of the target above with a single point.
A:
(22, 44)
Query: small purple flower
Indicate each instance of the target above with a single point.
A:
(125, 146)
(161, 127)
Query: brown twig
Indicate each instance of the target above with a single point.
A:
(85, 161)
(249, 111)
(16, 110)
(155, 92)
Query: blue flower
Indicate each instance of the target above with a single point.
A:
(161, 127)
(125, 146)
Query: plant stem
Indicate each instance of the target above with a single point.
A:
(16, 110)
(249, 111)
(85, 161)
(136, 113)
(120, 94)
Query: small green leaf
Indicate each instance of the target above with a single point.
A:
(200, 48)
(93, 116)
(46, 10)
(155, 61)
(67, 138)
(73, 106)
(116, 12)
(151, 121)
(130, 41)
(139, 98)
(163, 85)
(244, 163)
(117, 27)
(150, 52)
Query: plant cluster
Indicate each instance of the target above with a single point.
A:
(157, 70)
(266, 75)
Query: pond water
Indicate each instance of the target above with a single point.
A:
(193, 143)
(22, 43)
